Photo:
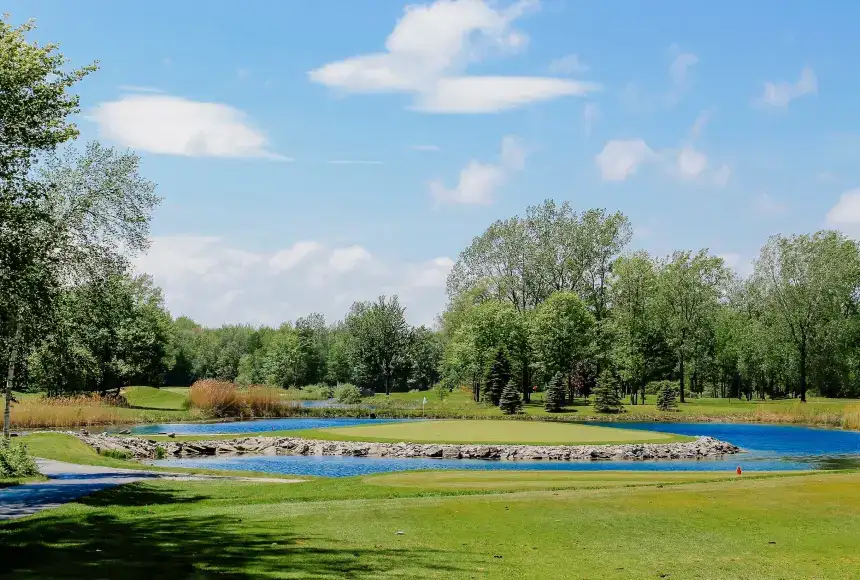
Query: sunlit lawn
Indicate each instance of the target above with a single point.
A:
(631, 526)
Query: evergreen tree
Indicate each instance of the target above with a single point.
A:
(606, 399)
(497, 378)
(554, 397)
(511, 402)
(666, 396)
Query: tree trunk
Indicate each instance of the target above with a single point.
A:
(682, 377)
(10, 380)
(803, 372)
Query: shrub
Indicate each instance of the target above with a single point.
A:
(116, 453)
(606, 399)
(160, 452)
(511, 402)
(666, 396)
(223, 399)
(554, 394)
(14, 460)
(441, 391)
(347, 394)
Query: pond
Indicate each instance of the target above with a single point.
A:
(766, 448)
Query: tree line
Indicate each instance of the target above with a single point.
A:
(554, 298)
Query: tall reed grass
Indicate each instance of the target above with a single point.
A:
(224, 399)
(57, 412)
(847, 417)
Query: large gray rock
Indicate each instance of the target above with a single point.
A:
(701, 448)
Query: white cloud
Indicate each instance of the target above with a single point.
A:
(478, 181)
(429, 50)
(699, 124)
(622, 158)
(211, 281)
(845, 215)
(767, 206)
(780, 94)
(428, 148)
(346, 259)
(678, 73)
(566, 65)
(590, 116)
(289, 258)
(176, 126)
(691, 163)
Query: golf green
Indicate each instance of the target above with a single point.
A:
(491, 432)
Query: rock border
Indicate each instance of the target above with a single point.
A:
(142, 448)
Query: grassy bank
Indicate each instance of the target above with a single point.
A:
(603, 526)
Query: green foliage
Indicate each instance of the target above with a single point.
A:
(160, 452)
(424, 358)
(666, 396)
(347, 394)
(606, 399)
(117, 453)
(554, 394)
(561, 334)
(498, 376)
(15, 461)
(379, 342)
(318, 392)
(442, 391)
(511, 401)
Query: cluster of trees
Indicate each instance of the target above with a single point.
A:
(552, 299)
(556, 296)
(373, 347)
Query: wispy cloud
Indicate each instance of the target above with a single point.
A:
(779, 95)
(478, 181)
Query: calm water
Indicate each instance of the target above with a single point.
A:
(766, 448)
(256, 426)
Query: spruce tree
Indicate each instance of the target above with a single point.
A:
(497, 378)
(511, 402)
(554, 396)
(606, 399)
(666, 396)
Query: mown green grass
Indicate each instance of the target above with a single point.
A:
(156, 398)
(787, 527)
(490, 432)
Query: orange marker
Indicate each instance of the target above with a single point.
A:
(739, 470)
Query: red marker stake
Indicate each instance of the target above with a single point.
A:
(739, 470)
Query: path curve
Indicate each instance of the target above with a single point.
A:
(70, 481)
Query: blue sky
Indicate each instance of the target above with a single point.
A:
(314, 153)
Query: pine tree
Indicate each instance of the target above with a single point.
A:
(606, 399)
(554, 397)
(511, 402)
(497, 378)
(666, 396)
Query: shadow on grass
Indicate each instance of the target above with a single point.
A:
(117, 537)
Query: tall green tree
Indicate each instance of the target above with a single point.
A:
(690, 287)
(379, 338)
(809, 283)
(561, 335)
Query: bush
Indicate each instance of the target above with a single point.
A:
(85, 409)
(347, 394)
(14, 460)
(511, 402)
(553, 400)
(606, 399)
(666, 396)
(224, 399)
(117, 453)
(160, 452)
(442, 391)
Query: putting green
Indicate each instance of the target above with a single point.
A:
(492, 432)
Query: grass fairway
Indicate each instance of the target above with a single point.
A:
(491, 432)
(786, 527)
(156, 399)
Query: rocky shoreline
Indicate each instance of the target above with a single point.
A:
(142, 448)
